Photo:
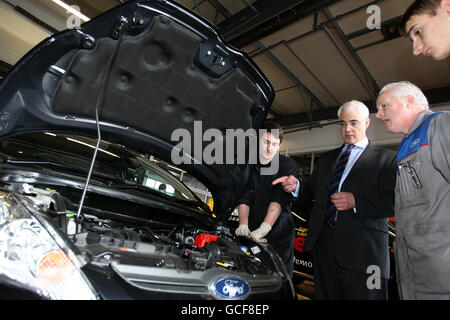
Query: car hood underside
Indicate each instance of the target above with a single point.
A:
(135, 75)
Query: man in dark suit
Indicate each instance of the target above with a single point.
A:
(353, 188)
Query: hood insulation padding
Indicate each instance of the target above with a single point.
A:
(155, 84)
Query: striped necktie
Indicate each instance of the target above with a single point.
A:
(331, 215)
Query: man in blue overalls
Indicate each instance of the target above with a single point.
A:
(422, 192)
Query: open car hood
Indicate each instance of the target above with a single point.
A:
(147, 69)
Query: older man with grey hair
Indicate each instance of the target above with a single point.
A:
(353, 192)
(422, 193)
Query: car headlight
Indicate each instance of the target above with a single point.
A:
(34, 256)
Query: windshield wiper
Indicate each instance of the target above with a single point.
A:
(112, 181)
(131, 185)
(63, 166)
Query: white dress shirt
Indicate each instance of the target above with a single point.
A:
(354, 156)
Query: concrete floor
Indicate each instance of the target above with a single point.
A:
(304, 289)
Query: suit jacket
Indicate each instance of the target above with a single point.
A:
(362, 237)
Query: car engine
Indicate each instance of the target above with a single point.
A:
(183, 248)
(179, 258)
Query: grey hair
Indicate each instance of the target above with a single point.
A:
(404, 89)
(352, 105)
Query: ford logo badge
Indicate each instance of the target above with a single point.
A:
(414, 143)
(230, 288)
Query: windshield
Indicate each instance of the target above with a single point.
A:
(121, 165)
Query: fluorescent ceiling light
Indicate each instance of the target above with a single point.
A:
(71, 10)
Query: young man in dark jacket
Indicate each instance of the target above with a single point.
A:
(265, 210)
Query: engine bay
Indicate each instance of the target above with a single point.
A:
(183, 246)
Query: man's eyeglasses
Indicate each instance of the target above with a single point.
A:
(351, 123)
(412, 173)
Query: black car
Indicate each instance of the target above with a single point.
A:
(86, 212)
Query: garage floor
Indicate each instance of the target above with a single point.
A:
(304, 288)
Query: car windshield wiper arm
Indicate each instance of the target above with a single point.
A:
(131, 185)
(114, 181)
(63, 166)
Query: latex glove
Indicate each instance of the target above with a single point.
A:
(243, 231)
(259, 234)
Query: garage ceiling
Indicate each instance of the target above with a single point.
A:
(317, 54)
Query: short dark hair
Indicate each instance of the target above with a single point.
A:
(419, 7)
(270, 125)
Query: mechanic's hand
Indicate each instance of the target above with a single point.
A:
(288, 183)
(259, 234)
(243, 231)
(343, 200)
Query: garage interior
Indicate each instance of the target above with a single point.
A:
(317, 54)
